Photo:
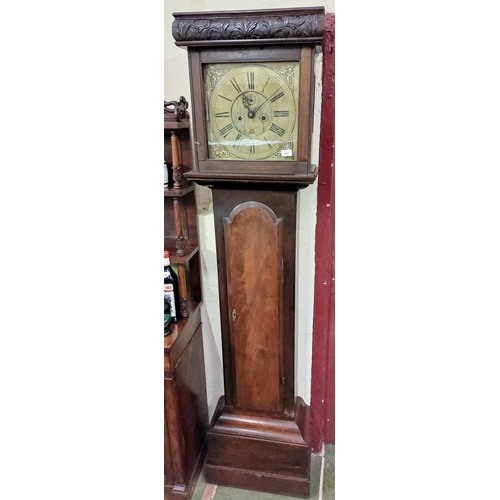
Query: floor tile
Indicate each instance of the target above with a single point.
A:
(199, 489)
(329, 474)
(315, 476)
(224, 493)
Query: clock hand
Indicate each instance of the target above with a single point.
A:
(251, 114)
(247, 101)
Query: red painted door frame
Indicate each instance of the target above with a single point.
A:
(323, 350)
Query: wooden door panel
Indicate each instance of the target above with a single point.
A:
(254, 252)
(175, 446)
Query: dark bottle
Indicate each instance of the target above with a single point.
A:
(171, 286)
(166, 316)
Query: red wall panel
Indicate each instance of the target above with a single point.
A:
(323, 355)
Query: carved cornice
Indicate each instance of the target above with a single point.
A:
(177, 108)
(303, 25)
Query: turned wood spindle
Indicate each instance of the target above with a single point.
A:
(183, 290)
(179, 244)
(176, 160)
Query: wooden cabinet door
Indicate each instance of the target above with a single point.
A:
(254, 258)
(255, 233)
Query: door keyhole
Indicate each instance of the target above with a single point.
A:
(233, 314)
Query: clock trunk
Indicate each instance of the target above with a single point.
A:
(259, 435)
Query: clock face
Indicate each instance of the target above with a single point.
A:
(252, 110)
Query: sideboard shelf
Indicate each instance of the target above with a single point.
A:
(185, 259)
(177, 193)
(175, 125)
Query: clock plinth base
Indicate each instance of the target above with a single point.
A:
(260, 453)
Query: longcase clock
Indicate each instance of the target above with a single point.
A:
(252, 90)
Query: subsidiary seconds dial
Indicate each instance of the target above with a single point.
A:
(252, 111)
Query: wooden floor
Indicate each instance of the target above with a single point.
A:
(322, 483)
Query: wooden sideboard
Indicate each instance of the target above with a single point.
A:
(185, 399)
(185, 407)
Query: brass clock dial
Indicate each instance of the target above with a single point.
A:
(252, 110)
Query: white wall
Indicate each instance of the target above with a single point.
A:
(177, 84)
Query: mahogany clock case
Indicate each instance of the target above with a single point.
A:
(258, 438)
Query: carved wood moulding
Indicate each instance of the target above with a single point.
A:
(176, 110)
(270, 26)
